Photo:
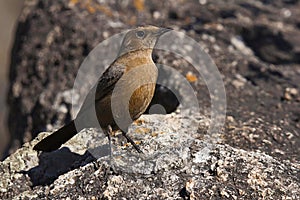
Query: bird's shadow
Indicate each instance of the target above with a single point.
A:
(53, 164)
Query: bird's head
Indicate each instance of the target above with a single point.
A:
(141, 38)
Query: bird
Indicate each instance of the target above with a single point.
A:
(132, 67)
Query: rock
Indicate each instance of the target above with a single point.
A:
(272, 46)
(239, 82)
(177, 163)
(239, 45)
(290, 93)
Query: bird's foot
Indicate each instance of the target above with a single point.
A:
(132, 142)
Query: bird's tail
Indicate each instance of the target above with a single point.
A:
(56, 139)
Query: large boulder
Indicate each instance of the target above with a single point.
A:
(178, 163)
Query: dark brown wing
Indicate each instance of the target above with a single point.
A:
(108, 80)
(104, 87)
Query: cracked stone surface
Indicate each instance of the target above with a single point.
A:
(196, 168)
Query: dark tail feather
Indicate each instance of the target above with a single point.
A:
(56, 139)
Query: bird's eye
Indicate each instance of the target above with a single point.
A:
(140, 34)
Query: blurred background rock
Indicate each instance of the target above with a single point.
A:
(9, 11)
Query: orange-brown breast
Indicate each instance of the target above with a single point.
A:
(141, 76)
(133, 91)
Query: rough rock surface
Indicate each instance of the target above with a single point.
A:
(183, 165)
(255, 45)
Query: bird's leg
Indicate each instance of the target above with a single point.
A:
(109, 134)
(131, 142)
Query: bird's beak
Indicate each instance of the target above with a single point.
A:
(161, 31)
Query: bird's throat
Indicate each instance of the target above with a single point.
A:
(136, 58)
